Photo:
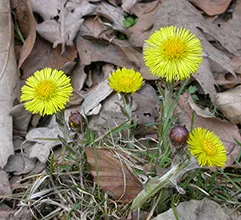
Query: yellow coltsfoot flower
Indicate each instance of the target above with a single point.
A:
(125, 80)
(173, 53)
(46, 92)
(207, 148)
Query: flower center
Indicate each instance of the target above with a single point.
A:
(209, 147)
(174, 48)
(127, 82)
(45, 89)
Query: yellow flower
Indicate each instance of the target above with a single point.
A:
(46, 92)
(125, 80)
(173, 53)
(207, 148)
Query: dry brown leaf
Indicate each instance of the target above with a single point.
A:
(182, 13)
(228, 81)
(141, 30)
(115, 178)
(27, 24)
(205, 209)
(78, 77)
(21, 117)
(20, 164)
(5, 188)
(61, 28)
(146, 111)
(231, 32)
(95, 96)
(236, 61)
(64, 29)
(43, 55)
(135, 57)
(114, 14)
(5, 212)
(229, 103)
(91, 50)
(23, 213)
(8, 81)
(226, 131)
(92, 27)
(45, 8)
(42, 140)
(128, 4)
(212, 7)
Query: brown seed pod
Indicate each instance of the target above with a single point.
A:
(179, 134)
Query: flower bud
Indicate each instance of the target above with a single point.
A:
(76, 121)
(179, 134)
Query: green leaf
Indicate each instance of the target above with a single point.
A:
(129, 21)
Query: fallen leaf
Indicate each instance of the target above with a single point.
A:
(5, 212)
(15, 164)
(135, 57)
(114, 14)
(109, 117)
(236, 61)
(8, 81)
(228, 81)
(92, 27)
(5, 188)
(96, 75)
(45, 8)
(63, 30)
(95, 96)
(92, 50)
(128, 4)
(147, 110)
(43, 55)
(39, 167)
(231, 30)
(212, 7)
(21, 117)
(114, 176)
(229, 103)
(44, 138)
(23, 213)
(141, 30)
(20, 164)
(17, 141)
(226, 131)
(75, 99)
(195, 210)
(27, 24)
(41, 151)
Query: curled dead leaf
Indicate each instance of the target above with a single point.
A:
(8, 81)
(43, 55)
(229, 103)
(27, 24)
(212, 7)
(114, 176)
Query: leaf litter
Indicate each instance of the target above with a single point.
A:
(88, 40)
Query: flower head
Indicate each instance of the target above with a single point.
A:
(207, 148)
(173, 53)
(125, 80)
(46, 92)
